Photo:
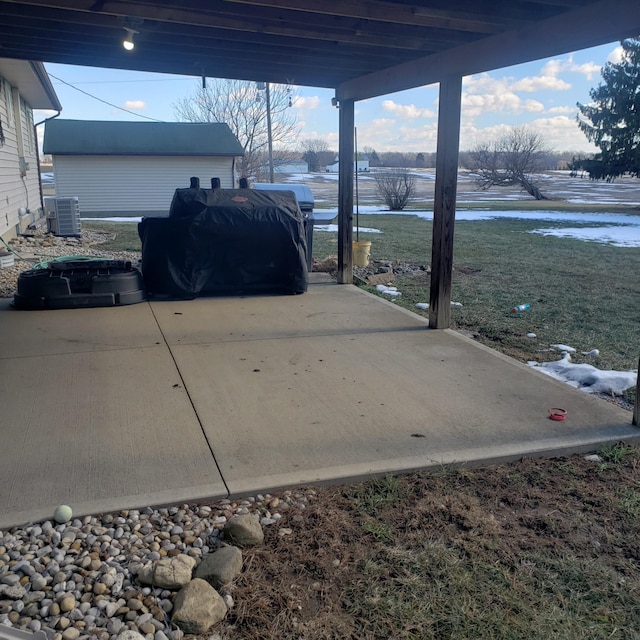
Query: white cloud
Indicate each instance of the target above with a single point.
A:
(409, 111)
(562, 110)
(562, 133)
(588, 69)
(303, 103)
(135, 104)
(555, 67)
(475, 105)
(616, 55)
(538, 83)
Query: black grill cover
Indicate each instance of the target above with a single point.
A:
(225, 242)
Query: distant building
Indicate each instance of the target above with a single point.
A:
(24, 86)
(362, 164)
(133, 168)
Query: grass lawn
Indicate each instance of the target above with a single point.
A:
(533, 550)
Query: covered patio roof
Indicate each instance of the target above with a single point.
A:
(361, 48)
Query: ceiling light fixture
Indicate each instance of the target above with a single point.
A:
(128, 42)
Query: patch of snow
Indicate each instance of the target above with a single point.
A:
(531, 335)
(562, 347)
(333, 228)
(586, 377)
(619, 236)
(425, 305)
(593, 352)
(116, 219)
(388, 291)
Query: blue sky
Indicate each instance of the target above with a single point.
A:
(542, 94)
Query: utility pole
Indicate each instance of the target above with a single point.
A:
(269, 136)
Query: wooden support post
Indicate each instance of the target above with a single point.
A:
(444, 202)
(345, 192)
(636, 405)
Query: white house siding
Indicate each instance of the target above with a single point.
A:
(17, 193)
(134, 185)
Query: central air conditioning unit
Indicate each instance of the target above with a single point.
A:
(63, 216)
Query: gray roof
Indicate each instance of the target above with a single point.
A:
(93, 137)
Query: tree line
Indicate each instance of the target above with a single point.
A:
(611, 121)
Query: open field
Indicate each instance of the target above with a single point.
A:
(562, 190)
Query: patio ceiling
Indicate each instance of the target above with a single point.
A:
(360, 47)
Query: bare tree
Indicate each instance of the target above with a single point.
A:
(317, 153)
(396, 187)
(511, 160)
(242, 106)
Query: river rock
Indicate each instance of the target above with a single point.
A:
(168, 573)
(128, 634)
(221, 567)
(244, 530)
(197, 607)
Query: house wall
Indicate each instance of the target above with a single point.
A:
(19, 189)
(134, 185)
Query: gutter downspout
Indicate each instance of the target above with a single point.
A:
(35, 133)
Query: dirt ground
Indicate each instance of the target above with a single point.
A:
(532, 549)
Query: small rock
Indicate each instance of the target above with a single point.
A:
(221, 567)
(13, 592)
(128, 634)
(67, 604)
(197, 607)
(70, 633)
(147, 627)
(244, 530)
(168, 573)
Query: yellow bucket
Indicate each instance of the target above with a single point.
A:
(361, 253)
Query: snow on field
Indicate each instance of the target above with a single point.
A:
(619, 230)
(333, 228)
(625, 233)
(586, 377)
(622, 236)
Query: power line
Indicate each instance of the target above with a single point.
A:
(115, 106)
(189, 79)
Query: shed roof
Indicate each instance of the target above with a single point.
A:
(94, 137)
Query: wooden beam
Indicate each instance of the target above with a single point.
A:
(345, 191)
(595, 24)
(323, 28)
(636, 406)
(444, 202)
(391, 12)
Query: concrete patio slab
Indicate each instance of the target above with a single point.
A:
(384, 396)
(35, 333)
(170, 402)
(325, 310)
(99, 430)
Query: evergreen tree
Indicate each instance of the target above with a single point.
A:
(612, 121)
